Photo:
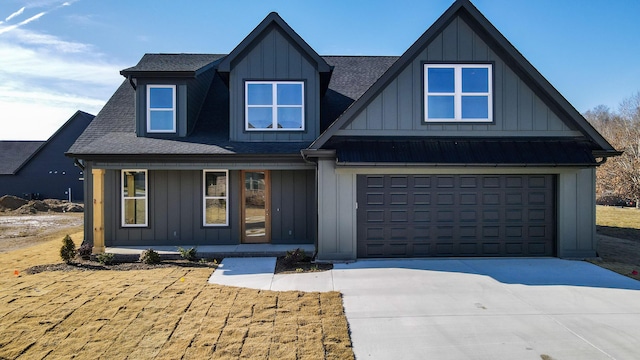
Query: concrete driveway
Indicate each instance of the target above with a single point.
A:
(477, 308)
(489, 309)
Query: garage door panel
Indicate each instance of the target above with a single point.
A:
(457, 215)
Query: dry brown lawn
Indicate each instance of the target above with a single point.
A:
(165, 313)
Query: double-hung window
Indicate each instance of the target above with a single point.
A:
(134, 198)
(458, 92)
(161, 108)
(274, 105)
(215, 204)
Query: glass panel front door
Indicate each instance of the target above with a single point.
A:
(255, 197)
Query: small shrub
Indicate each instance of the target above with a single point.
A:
(105, 258)
(84, 251)
(150, 256)
(294, 256)
(188, 254)
(68, 249)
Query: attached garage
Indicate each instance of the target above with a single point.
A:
(455, 215)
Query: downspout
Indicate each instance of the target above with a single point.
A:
(79, 163)
(133, 85)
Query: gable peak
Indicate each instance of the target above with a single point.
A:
(273, 18)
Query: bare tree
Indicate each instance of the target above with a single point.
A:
(620, 175)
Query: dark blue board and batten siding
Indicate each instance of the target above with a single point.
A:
(274, 57)
(175, 210)
(190, 94)
(398, 109)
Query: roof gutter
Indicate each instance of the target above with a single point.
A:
(484, 165)
(603, 155)
(318, 153)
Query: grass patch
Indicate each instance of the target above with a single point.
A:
(623, 223)
(163, 313)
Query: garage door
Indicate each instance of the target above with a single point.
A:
(455, 215)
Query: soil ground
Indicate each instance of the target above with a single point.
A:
(161, 313)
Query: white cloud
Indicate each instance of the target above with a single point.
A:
(24, 22)
(40, 89)
(32, 38)
(17, 13)
(45, 79)
(34, 120)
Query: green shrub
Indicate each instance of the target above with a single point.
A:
(84, 251)
(105, 258)
(68, 249)
(294, 256)
(150, 256)
(188, 254)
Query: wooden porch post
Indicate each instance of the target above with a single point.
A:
(98, 210)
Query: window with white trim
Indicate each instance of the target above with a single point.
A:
(274, 105)
(458, 92)
(161, 108)
(215, 204)
(134, 198)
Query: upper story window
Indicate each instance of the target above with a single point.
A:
(458, 92)
(274, 105)
(161, 108)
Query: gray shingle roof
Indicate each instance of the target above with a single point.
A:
(113, 130)
(14, 153)
(151, 63)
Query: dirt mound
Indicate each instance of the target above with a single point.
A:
(9, 202)
(17, 205)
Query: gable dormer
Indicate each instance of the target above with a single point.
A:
(275, 82)
(169, 92)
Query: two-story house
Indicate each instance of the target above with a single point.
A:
(39, 169)
(459, 147)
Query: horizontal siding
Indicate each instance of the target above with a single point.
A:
(398, 109)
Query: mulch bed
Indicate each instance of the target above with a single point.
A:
(87, 265)
(306, 265)
(282, 266)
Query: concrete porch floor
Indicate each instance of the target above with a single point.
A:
(211, 251)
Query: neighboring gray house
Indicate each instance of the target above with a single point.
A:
(459, 147)
(39, 169)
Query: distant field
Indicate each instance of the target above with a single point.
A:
(618, 222)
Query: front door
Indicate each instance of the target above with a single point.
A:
(255, 207)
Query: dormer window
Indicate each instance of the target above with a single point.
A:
(458, 92)
(274, 105)
(161, 108)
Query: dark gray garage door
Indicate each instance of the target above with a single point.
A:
(456, 215)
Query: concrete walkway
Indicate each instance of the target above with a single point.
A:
(473, 308)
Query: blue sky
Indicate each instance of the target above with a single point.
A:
(59, 56)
